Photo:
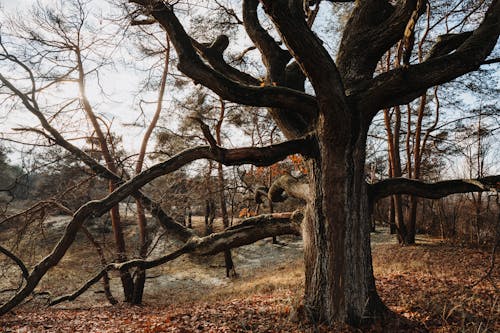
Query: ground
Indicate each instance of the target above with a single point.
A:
(430, 284)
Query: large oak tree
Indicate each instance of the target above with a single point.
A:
(347, 95)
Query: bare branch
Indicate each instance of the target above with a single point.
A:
(191, 65)
(247, 232)
(166, 221)
(437, 190)
(274, 57)
(258, 156)
(214, 55)
(447, 43)
(307, 49)
(206, 132)
(491, 61)
(17, 260)
(402, 85)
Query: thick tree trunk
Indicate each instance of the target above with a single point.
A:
(339, 284)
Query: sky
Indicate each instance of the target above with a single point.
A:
(117, 105)
(121, 85)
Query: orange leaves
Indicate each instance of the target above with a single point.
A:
(292, 163)
(260, 313)
(246, 212)
(261, 174)
(264, 83)
(299, 164)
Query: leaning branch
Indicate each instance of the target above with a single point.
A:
(17, 260)
(436, 190)
(247, 232)
(250, 155)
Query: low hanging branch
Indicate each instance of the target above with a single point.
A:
(263, 156)
(17, 260)
(247, 232)
(436, 190)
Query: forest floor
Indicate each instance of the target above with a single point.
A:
(429, 286)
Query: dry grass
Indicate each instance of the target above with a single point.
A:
(428, 283)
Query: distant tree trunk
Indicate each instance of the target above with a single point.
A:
(209, 216)
(189, 216)
(230, 271)
(140, 279)
(126, 278)
(395, 169)
(270, 180)
(418, 148)
(392, 218)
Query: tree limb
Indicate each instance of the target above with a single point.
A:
(292, 123)
(436, 190)
(215, 58)
(308, 51)
(191, 65)
(274, 57)
(402, 85)
(247, 232)
(447, 43)
(373, 28)
(17, 260)
(166, 221)
(258, 156)
(290, 185)
(491, 61)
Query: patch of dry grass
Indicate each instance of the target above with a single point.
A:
(429, 283)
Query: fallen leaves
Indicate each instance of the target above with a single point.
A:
(427, 284)
(261, 313)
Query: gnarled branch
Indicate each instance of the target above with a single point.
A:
(191, 65)
(214, 55)
(307, 49)
(402, 85)
(292, 186)
(258, 156)
(247, 232)
(436, 190)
